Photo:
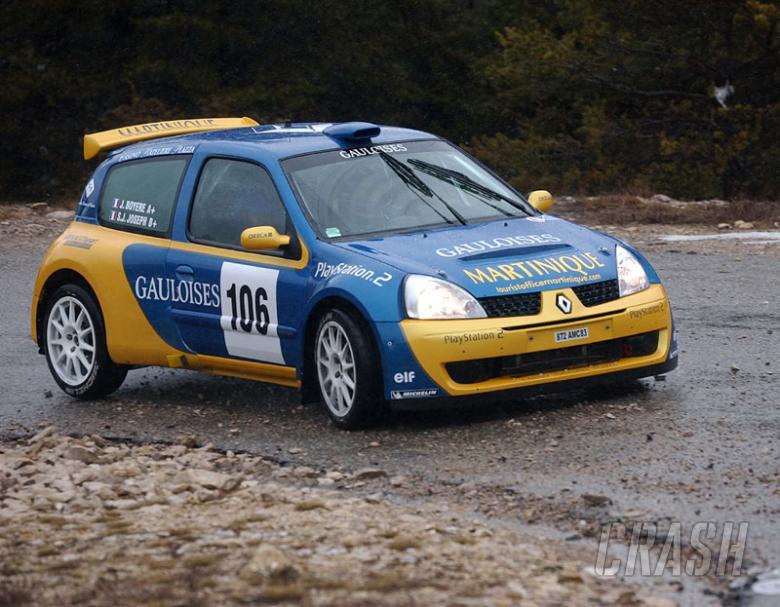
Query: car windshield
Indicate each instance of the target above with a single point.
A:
(398, 187)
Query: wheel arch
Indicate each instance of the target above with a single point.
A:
(53, 282)
(309, 392)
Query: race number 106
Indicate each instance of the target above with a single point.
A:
(248, 308)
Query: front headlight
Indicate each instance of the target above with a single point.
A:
(631, 275)
(430, 298)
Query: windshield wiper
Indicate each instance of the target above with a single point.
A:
(419, 187)
(467, 184)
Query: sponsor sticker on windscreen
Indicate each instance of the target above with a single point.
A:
(571, 334)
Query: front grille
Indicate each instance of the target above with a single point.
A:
(571, 357)
(597, 293)
(528, 304)
(524, 304)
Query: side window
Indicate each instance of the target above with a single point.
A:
(139, 195)
(233, 195)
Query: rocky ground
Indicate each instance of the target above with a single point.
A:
(84, 521)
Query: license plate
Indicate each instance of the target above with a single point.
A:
(571, 334)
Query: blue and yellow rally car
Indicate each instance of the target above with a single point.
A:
(361, 263)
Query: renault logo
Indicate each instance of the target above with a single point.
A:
(563, 303)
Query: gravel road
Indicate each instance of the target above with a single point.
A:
(701, 445)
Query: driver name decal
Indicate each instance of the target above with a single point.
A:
(133, 213)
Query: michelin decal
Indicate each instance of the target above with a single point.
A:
(404, 394)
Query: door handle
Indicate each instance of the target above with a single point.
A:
(185, 272)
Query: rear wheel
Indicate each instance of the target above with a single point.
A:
(347, 371)
(75, 345)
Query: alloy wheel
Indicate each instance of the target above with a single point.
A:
(336, 368)
(70, 341)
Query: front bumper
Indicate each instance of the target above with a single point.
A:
(438, 344)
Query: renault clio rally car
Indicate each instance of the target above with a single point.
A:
(363, 264)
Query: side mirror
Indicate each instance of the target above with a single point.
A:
(263, 238)
(541, 200)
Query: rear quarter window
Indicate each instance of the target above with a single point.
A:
(139, 196)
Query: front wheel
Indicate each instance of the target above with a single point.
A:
(347, 371)
(75, 345)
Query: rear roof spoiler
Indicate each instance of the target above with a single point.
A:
(94, 143)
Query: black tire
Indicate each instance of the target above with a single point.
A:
(104, 377)
(368, 402)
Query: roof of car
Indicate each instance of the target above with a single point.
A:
(280, 140)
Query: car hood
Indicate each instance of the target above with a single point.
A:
(500, 257)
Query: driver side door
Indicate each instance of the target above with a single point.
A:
(229, 302)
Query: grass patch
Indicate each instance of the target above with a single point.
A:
(209, 582)
(327, 584)
(159, 578)
(277, 593)
(256, 518)
(47, 551)
(53, 520)
(237, 525)
(202, 560)
(184, 534)
(119, 528)
(465, 540)
(160, 564)
(388, 534)
(62, 565)
(307, 505)
(240, 524)
(108, 516)
(389, 582)
(404, 543)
